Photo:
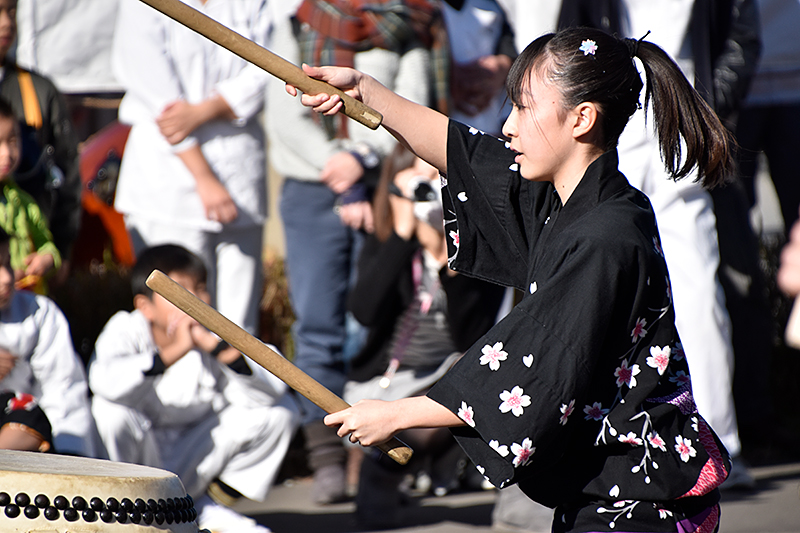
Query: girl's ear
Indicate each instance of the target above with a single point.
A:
(585, 115)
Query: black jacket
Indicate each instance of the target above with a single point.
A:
(384, 290)
(61, 205)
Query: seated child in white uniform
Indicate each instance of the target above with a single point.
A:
(163, 399)
(38, 364)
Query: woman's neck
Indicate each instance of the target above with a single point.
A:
(571, 174)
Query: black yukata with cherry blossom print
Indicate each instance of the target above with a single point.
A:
(581, 394)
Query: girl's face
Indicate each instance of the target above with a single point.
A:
(9, 147)
(539, 131)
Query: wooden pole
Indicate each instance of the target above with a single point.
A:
(261, 57)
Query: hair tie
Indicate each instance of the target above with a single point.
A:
(633, 44)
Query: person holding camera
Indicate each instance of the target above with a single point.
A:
(420, 316)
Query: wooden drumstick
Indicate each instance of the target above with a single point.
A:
(261, 354)
(261, 57)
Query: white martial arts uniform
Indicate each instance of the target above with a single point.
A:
(530, 19)
(159, 61)
(69, 41)
(198, 418)
(35, 330)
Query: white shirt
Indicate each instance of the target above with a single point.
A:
(530, 19)
(69, 41)
(185, 393)
(35, 330)
(641, 16)
(159, 61)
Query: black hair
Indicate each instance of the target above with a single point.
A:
(168, 258)
(590, 65)
(401, 158)
(6, 111)
(4, 236)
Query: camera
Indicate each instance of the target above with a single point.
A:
(422, 190)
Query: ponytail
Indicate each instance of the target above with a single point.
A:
(683, 118)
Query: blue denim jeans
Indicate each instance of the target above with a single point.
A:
(321, 255)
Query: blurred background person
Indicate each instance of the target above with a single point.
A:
(193, 172)
(329, 166)
(49, 170)
(421, 316)
(482, 50)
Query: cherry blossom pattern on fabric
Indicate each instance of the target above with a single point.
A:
(650, 441)
(514, 401)
(684, 448)
(631, 438)
(656, 441)
(501, 449)
(492, 355)
(659, 358)
(454, 237)
(595, 411)
(681, 378)
(677, 352)
(466, 413)
(620, 509)
(522, 452)
(638, 330)
(626, 375)
(566, 410)
(657, 246)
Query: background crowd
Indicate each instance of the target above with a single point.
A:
(131, 143)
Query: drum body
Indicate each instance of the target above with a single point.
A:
(48, 493)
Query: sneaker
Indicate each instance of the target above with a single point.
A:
(223, 493)
(739, 478)
(329, 485)
(217, 518)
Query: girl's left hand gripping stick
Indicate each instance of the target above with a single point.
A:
(261, 57)
(261, 354)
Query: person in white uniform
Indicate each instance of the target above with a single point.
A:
(193, 171)
(37, 358)
(162, 399)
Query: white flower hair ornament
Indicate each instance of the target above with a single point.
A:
(588, 47)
